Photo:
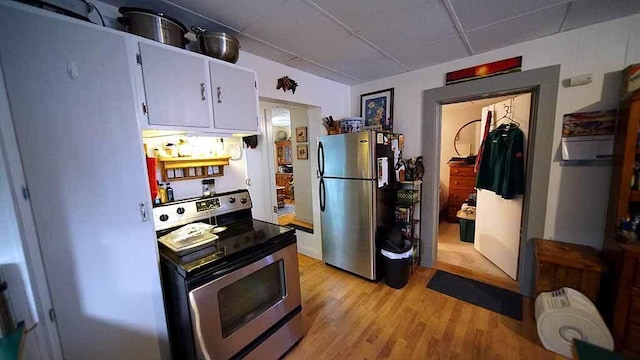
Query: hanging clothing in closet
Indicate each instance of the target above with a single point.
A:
(502, 164)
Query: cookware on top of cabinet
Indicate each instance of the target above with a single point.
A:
(153, 25)
(217, 44)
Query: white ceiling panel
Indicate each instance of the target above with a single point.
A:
(372, 69)
(474, 13)
(390, 24)
(353, 57)
(237, 14)
(264, 50)
(517, 30)
(300, 28)
(309, 67)
(586, 12)
(433, 53)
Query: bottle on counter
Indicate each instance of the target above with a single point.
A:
(162, 190)
(169, 192)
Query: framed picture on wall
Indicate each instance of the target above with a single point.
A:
(301, 134)
(376, 108)
(303, 151)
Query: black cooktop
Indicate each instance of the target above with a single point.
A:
(241, 239)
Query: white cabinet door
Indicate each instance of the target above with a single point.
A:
(71, 99)
(235, 105)
(176, 87)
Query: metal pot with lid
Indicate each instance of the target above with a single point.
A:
(219, 45)
(153, 25)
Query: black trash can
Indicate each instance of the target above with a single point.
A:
(397, 265)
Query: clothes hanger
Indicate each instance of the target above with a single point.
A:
(506, 116)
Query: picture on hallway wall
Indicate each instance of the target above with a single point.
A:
(376, 108)
(303, 151)
(301, 134)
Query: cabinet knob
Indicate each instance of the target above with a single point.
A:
(219, 94)
(203, 93)
(456, 182)
(456, 171)
(455, 195)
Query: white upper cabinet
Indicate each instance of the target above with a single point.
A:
(235, 103)
(175, 87)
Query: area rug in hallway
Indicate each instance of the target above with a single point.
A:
(286, 209)
(492, 298)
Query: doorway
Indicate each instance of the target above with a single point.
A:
(479, 230)
(543, 84)
(279, 169)
(285, 183)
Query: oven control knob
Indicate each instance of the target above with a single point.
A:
(243, 200)
(180, 211)
(164, 217)
(232, 200)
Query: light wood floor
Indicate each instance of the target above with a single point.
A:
(461, 256)
(346, 317)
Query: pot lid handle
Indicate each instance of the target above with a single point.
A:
(198, 30)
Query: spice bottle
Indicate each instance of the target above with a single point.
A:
(170, 192)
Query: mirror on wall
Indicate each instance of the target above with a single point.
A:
(468, 139)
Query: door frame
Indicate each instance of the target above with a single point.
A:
(542, 83)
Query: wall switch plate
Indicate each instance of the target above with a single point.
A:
(581, 80)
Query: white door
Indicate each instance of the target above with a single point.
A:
(498, 220)
(235, 105)
(176, 87)
(260, 166)
(72, 104)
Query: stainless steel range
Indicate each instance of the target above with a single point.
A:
(231, 283)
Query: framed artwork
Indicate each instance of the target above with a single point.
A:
(376, 108)
(301, 134)
(303, 151)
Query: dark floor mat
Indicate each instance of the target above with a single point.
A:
(492, 298)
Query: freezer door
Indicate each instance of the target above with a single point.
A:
(348, 223)
(347, 155)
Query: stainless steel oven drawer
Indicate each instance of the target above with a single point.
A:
(230, 312)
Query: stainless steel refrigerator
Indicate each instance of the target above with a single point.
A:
(356, 202)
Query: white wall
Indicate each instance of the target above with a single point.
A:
(301, 169)
(576, 208)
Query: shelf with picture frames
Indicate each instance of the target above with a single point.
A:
(189, 168)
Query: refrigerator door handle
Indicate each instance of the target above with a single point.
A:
(323, 195)
(320, 158)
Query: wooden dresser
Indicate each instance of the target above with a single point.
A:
(620, 295)
(462, 182)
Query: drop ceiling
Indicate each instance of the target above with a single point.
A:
(354, 41)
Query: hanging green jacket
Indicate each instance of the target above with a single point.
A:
(502, 164)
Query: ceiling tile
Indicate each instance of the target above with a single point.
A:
(312, 68)
(264, 50)
(393, 24)
(473, 13)
(237, 14)
(433, 53)
(298, 27)
(517, 30)
(586, 12)
(354, 57)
